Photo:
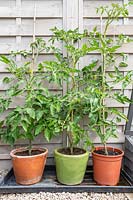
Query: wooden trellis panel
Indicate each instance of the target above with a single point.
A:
(16, 30)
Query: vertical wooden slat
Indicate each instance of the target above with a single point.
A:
(80, 7)
(80, 26)
(18, 24)
(126, 20)
(72, 10)
(64, 14)
(65, 2)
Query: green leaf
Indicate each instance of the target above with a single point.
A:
(58, 108)
(6, 80)
(39, 114)
(122, 98)
(4, 59)
(118, 119)
(1, 123)
(118, 113)
(38, 129)
(47, 134)
(26, 119)
(31, 112)
(40, 66)
(113, 49)
(24, 125)
(123, 64)
(111, 75)
(17, 92)
(52, 109)
(95, 29)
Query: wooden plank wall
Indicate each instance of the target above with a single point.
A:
(16, 30)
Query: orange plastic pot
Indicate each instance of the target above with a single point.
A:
(106, 168)
(28, 169)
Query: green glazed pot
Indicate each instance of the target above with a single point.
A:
(70, 169)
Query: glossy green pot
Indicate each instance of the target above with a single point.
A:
(70, 169)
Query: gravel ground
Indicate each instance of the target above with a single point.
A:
(64, 196)
(61, 196)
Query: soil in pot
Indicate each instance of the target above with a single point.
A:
(76, 151)
(107, 167)
(70, 169)
(33, 152)
(28, 169)
(110, 152)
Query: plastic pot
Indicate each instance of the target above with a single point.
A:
(28, 169)
(107, 168)
(70, 169)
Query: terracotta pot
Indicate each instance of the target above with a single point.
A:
(107, 168)
(28, 169)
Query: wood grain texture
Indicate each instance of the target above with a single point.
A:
(45, 9)
(91, 5)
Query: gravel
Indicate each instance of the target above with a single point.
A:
(3, 173)
(64, 196)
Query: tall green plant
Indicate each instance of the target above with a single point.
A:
(101, 82)
(33, 117)
(67, 70)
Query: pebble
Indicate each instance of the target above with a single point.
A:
(64, 196)
(3, 173)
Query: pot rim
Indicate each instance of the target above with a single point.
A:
(12, 153)
(109, 156)
(68, 156)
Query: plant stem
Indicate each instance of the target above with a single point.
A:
(30, 147)
(105, 149)
(70, 142)
(103, 69)
(71, 149)
(103, 99)
(71, 135)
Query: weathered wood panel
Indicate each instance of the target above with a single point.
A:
(113, 30)
(45, 9)
(43, 27)
(8, 3)
(89, 8)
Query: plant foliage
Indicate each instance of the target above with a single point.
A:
(105, 74)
